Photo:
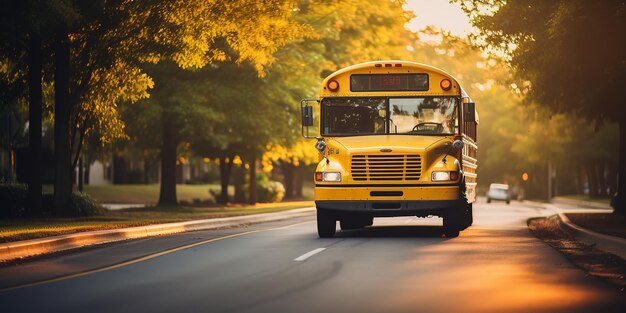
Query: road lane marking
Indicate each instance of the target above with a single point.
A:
(144, 258)
(309, 254)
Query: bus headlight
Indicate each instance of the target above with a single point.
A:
(444, 176)
(328, 176)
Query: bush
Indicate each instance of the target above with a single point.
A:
(13, 198)
(82, 204)
(270, 191)
(216, 194)
(79, 204)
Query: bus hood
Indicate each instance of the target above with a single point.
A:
(400, 142)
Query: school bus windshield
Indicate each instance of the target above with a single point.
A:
(407, 115)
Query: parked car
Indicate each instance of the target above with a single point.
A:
(499, 192)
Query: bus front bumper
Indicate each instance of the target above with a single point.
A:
(387, 201)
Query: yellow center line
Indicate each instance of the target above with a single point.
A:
(144, 258)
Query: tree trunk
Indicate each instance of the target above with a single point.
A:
(34, 124)
(225, 170)
(579, 182)
(81, 174)
(167, 195)
(287, 169)
(612, 177)
(601, 170)
(298, 180)
(252, 198)
(62, 152)
(146, 169)
(591, 179)
(620, 201)
(87, 170)
(239, 181)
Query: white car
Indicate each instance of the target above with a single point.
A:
(498, 192)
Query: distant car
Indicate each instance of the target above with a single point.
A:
(498, 192)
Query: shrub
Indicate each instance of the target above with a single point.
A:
(82, 204)
(13, 198)
(79, 204)
(270, 191)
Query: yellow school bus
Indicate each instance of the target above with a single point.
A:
(396, 138)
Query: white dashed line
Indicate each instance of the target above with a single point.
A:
(309, 254)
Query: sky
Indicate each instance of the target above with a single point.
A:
(440, 13)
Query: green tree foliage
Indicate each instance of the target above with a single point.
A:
(515, 138)
(99, 48)
(237, 32)
(567, 53)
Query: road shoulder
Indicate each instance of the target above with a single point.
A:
(595, 262)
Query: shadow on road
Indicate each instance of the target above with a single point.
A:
(393, 232)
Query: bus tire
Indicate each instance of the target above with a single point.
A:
(451, 232)
(468, 216)
(453, 222)
(466, 208)
(326, 224)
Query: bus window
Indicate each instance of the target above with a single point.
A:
(354, 116)
(423, 115)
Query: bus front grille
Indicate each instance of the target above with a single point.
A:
(402, 167)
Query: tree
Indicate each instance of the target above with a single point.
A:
(23, 23)
(543, 40)
(222, 96)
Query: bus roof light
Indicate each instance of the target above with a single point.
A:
(387, 65)
(445, 84)
(398, 65)
(333, 85)
(378, 65)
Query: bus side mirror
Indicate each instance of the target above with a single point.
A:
(469, 110)
(307, 116)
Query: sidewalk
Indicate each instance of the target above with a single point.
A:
(561, 207)
(27, 248)
(119, 206)
(581, 203)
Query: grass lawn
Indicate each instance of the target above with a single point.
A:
(22, 229)
(605, 223)
(147, 194)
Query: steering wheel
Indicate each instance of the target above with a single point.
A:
(437, 126)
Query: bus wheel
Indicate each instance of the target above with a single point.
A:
(469, 215)
(326, 224)
(452, 222)
(451, 231)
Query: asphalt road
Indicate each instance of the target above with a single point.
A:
(398, 265)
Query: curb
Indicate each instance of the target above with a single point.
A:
(26, 248)
(603, 242)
